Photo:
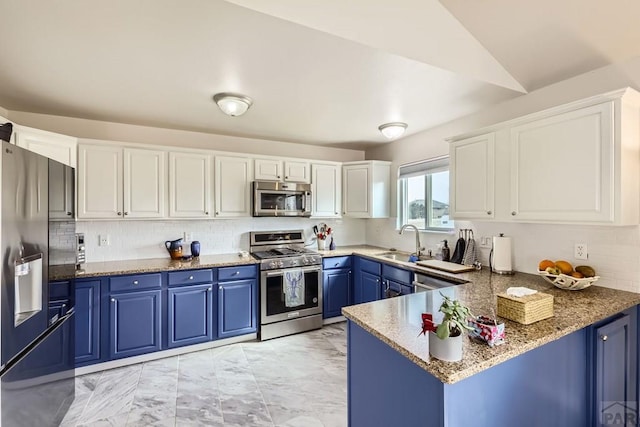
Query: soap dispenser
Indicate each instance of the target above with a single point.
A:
(446, 252)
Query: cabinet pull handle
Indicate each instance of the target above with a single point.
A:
(513, 213)
(119, 213)
(113, 300)
(190, 277)
(488, 212)
(604, 337)
(135, 282)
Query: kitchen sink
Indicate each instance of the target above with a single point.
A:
(401, 256)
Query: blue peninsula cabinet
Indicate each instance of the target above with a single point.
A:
(134, 315)
(87, 321)
(585, 377)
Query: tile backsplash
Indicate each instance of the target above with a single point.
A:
(145, 239)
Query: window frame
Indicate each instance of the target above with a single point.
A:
(424, 168)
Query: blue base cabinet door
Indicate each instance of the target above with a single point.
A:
(134, 323)
(190, 318)
(237, 308)
(368, 288)
(336, 291)
(87, 321)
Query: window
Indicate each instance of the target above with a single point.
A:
(423, 194)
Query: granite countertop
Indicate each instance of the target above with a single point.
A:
(397, 321)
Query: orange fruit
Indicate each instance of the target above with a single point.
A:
(564, 266)
(577, 274)
(545, 263)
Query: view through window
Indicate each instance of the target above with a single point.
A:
(423, 193)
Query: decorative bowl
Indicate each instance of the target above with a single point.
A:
(564, 281)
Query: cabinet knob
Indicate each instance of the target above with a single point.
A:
(135, 282)
(488, 212)
(119, 213)
(286, 177)
(513, 213)
(113, 300)
(64, 305)
(337, 264)
(190, 277)
(126, 213)
(377, 280)
(336, 213)
(604, 337)
(236, 273)
(69, 214)
(220, 287)
(278, 176)
(206, 213)
(217, 213)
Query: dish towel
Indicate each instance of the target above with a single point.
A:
(458, 252)
(293, 287)
(470, 255)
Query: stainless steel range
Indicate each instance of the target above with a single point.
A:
(290, 283)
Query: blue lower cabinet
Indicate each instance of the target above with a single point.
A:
(336, 291)
(367, 288)
(190, 315)
(87, 321)
(237, 308)
(134, 323)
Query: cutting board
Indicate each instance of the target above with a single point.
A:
(450, 267)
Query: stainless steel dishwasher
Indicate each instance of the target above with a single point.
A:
(423, 282)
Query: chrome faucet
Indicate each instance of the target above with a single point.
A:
(419, 247)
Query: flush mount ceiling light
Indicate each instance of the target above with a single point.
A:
(393, 130)
(232, 104)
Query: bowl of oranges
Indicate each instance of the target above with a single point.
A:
(564, 276)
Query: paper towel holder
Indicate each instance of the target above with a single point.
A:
(503, 254)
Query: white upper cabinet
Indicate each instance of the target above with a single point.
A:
(278, 170)
(365, 189)
(144, 183)
(233, 176)
(577, 163)
(189, 185)
(61, 192)
(100, 191)
(326, 190)
(116, 182)
(61, 148)
(562, 167)
(471, 177)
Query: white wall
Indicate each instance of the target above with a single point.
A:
(93, 129)
(145, 239)
(614, 252)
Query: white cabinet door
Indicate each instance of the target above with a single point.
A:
(189, 185)
(471, 175)
(144, 183)
(61, 192)
(297, 172)
(268, 170)
(326, 190)
(233, 186)
(61, 148)
(100, 182)
(562, 167)
(356, 191)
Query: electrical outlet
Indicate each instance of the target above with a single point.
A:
(580, 251)
(103, 239)
(188, 236)
(485, 242)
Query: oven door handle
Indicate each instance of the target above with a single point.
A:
(281, 272)
(274, 273)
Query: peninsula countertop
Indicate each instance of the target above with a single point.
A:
(397, 321)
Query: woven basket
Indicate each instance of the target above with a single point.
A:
(527, 309)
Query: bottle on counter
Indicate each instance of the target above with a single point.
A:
(332, 245)
(446, 252)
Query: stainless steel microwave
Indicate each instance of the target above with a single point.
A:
(281, 199)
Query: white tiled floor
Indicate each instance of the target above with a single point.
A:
(300, 380)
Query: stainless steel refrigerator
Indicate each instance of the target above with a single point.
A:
(36, 345)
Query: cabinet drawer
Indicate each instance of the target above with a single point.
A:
(336, 262)
(134, 282)
(237, 272)
(190, 276)
(59, 290)
(370, 266)
(397, 274)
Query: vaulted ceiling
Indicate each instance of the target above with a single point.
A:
(324, 72)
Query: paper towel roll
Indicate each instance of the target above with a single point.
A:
(501, 257)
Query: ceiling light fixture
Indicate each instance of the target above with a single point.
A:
(393, 130)
(232, 104)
